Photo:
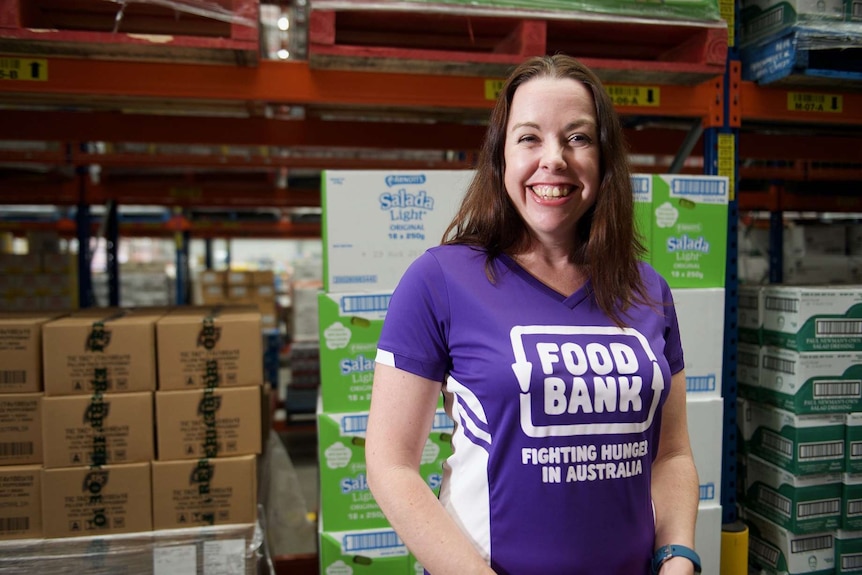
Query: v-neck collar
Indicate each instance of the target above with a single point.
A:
(571, 301)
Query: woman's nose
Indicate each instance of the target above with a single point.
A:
(552, 157)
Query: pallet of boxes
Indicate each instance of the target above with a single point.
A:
(403, 213)
(139, 464)
(800, 420)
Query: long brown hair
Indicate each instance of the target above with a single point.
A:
(607, 245)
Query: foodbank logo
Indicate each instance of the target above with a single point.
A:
(99, 338)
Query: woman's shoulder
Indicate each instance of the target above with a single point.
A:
(651, 278)
(456, 253)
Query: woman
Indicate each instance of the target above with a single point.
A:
(557, 353)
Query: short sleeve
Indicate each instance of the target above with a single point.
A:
(673, 342)
(413, 337)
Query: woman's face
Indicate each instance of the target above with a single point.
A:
(552, 156)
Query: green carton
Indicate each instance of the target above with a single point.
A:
(851, 496)
(801, 504)
(811, 381)
(689, 230)
(349, 327)
(801, 444)
(813, 318)
(371, 551)
(762, 20)
(346, 503)
(853, 443)
(848, 552)
(778, 550)
(642, 194)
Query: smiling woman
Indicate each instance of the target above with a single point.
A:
(557, 353)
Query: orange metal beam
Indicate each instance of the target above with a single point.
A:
(811, 106)
(297, 83)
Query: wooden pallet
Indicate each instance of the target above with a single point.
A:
(140, 31)
(401, 37)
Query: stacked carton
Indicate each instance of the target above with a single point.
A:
(38, 281)
(683, 221)
(799, 413)
(401, 215)
(21, 425)
(98, 438)
(240, 288)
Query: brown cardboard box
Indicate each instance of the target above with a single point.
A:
(209, 347)
(80, 501)
(98, 430)
(212, 277)
(21, 351)
(20, 502)
(217, 491)
(239, 277)
(108, 347)
(197, 423)
(20, 428)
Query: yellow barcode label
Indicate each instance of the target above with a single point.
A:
(492, 88)
(634, 95)
(27, 69)
(813, 102)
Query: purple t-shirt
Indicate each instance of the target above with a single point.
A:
(557, 411)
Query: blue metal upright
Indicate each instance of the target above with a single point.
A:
(82, 231)
(112, 242)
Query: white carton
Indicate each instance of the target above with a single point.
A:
(779, 550)
(375, 223)
(701, 325)
(705, 425)
(707, 536)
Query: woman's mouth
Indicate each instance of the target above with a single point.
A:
(550, 192)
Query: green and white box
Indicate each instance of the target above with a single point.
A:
(813, 318)
(349, 325)
(853, 443)
(371, 551)
(689, 232)
(778, 550)
(811, 381)
(346, 503)
(701, 325)
(799, 503)
(376, 222)
(851, 513)
(642, 194)
(762, 19)
(748, 370)
(848, 552)
(750, 313)
(801, 444)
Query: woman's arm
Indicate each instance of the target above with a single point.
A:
(402, 411)
(675, 490)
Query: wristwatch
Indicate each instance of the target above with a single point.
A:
(664, 553)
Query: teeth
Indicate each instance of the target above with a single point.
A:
(552, 191)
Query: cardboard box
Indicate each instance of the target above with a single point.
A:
(762, 20)
(707, 536)
(853, 443)
(218, 491)
(371, 551)
(848, 551)
(779, 550)
(202, 347)
(750, 313)
(798, 503)
(20, 502)
(748, 370)
(21, 351)
(20, 428)
(813, 318)
(109, 349)
(84, 501)
(689, 230)
(208, 423)
(705, 429)
(811, 381)
(98, 430)
(375, 223)
(701, 325)
(851, 498)
(642, 194)
(802, 444)
(350, 327)
(346, 502)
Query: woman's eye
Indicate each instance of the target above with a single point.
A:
(527, 139)
(580, 139)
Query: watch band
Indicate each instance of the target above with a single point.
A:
(665, 552)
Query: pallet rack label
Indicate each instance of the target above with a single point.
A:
(634, 95)
(28, 69)
(815, 102)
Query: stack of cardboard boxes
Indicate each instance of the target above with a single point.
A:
(401, 215)
(38, 280)
(800, 410)
(684, 222)
(134, 421)
(240, 288)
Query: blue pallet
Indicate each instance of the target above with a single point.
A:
(807, 55)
